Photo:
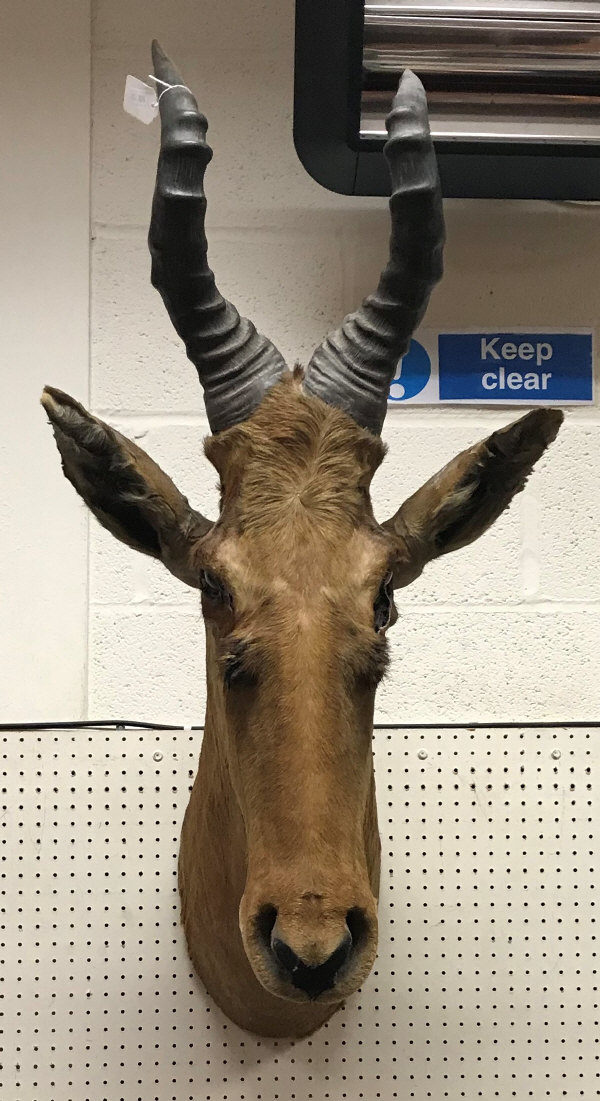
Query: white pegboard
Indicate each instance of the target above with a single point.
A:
(486, 980)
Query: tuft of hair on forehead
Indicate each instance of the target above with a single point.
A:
(296, 454)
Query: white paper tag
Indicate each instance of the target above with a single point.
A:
(139, 100)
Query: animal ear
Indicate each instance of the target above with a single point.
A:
(461, 501)
(125, 489)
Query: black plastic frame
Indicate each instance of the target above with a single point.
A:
(327, 93)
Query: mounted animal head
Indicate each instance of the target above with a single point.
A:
(297, 576)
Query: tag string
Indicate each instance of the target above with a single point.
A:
(166, 87)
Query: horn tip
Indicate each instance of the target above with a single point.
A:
(410, 77)
(164, 69)
(158, 54)
(411, 86)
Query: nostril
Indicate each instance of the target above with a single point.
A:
(358, 925)
(339, 957)
(265, 923)
(287, 958)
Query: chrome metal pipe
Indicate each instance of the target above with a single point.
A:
(458, 43)
(525, 70)
(510, 9)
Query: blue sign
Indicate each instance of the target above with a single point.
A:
(412, 374)
(524, 367)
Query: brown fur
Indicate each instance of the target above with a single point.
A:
(288, 762)
(322, 461)
(280, 834)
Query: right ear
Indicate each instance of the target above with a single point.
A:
(463, 499)
(125, 489)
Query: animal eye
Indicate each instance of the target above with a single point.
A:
(384, 604)
(213, 588)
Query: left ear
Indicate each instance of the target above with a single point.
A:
(461, 501)
(125, 489)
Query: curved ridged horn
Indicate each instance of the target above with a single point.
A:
(354, 366)
(235, 364)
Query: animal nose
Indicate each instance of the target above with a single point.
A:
(312, 980)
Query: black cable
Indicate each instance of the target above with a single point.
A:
(134, 724)
(91, 724)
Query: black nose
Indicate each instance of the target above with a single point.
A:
(312, 980)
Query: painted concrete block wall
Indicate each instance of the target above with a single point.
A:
(44, 321)
(505, 630)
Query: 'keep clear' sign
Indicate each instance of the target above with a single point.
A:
(497, 367)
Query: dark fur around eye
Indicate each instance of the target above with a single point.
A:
(383, 605)
(371, 665)
(214, 589)
(237, 671)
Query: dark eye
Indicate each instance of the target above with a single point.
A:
(213, 589)
(384, 604)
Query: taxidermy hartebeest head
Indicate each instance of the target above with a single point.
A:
(279, 860)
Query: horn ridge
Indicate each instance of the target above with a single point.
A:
(354, 366)
(236, 365)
